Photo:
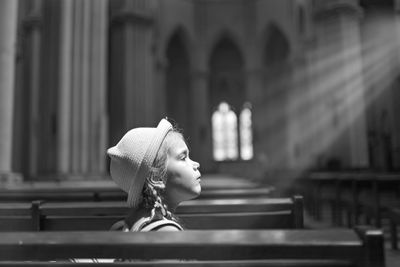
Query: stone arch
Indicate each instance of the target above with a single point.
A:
(276, 45)
(225, 35)
(227, 85)
(184, 37)
(227, 77)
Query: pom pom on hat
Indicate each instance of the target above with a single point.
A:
(133, 157)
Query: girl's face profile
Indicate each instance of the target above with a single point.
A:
(183, 182)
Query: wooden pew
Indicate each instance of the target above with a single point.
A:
(349, 187)
(361, 248)
(236, 193)
(321, 190)
(356, 193)
(250, 220)
(394, 218)
(191, 206)
(168, 263)
(377, 197)
(62, 191)
(384, 195)
(368, 194)
(73, 194)
(264, 213)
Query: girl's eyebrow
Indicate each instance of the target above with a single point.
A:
(184, 152)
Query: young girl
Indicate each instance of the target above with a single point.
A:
(153, 166)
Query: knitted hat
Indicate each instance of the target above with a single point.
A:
(133, 157)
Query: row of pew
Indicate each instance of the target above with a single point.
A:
(84, 192)
(251, 213)
(353, 196)
(296, 248)
(223, 230)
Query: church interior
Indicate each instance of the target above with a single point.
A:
(283, 99)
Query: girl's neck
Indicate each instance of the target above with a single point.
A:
(171, 204)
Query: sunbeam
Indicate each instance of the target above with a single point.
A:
(331, 92)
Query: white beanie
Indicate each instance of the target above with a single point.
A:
(133, 157)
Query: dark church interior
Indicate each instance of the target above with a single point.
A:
(290, 107)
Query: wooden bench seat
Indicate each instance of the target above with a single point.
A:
(361, 248)
(356, 193)
(114, 194)
(249, 220)
(265, 213)
(241, 263)
(191, 206)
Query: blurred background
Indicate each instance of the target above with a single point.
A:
(263, 89)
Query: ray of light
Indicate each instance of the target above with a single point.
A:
(333, 90)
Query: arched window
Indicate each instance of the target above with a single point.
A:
(224, 124)
(229, 141)
(246, 133)
(277, 48)
(230, 118)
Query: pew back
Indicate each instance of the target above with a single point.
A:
(112, 193)
(362, 248)
(239, 263)
(263, 213)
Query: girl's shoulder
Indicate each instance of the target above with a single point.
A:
(142, 220)
(141, 225)
(162, 225)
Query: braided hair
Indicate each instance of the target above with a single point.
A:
(154, 186)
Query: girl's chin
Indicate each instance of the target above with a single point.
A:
(195, 192)
(198, 190)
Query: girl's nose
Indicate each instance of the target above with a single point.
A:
(196, 165)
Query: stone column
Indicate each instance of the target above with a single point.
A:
(396, 93)
(355, 88)
(202, 131)
(297, 114)
(34, 38)
(344, 91)
(8, 33)
(159, 85)
(64, 138)
(201, 141)
(256, 96)
(134, 20)
(83, 61)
